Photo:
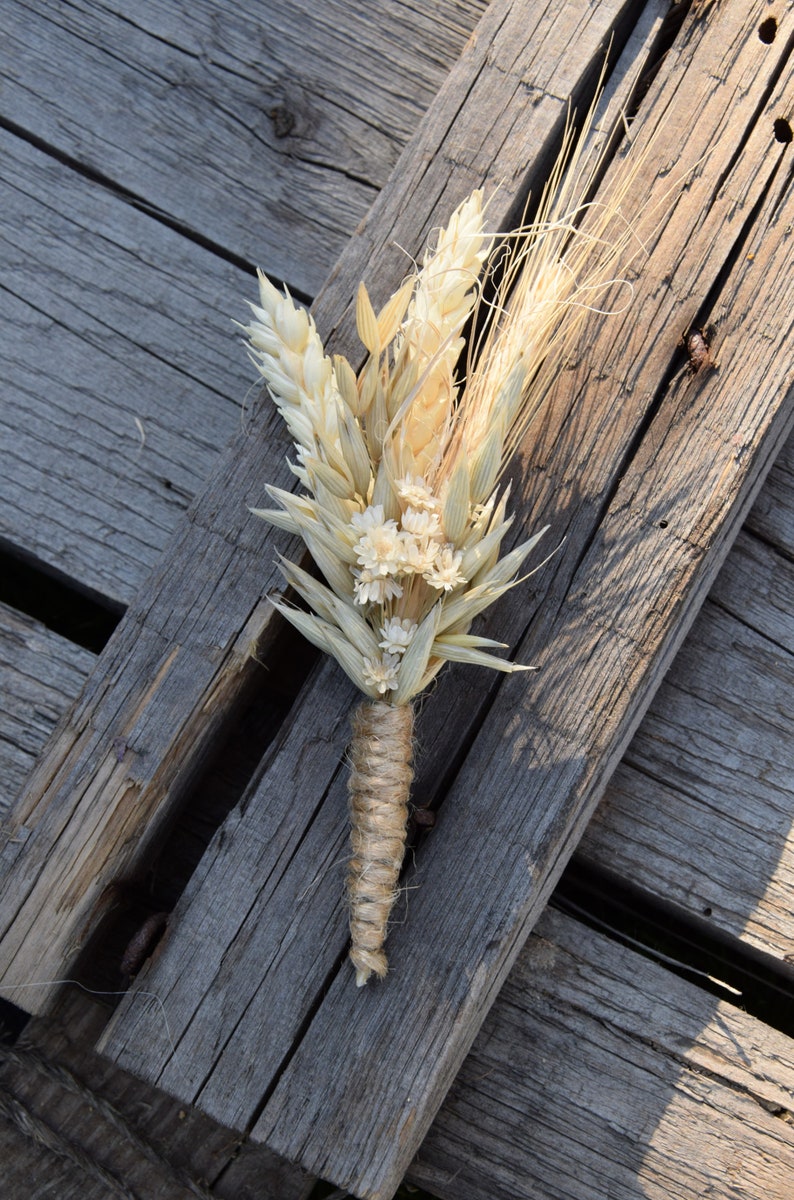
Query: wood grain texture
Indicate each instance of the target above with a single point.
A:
(598, 1073)
(124, 376)
(103, 1117)
(184, 653)
(268, 132)
(360, 1090)
(699, 812)
(40, 675)
(772, 516)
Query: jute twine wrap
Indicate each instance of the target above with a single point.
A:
(380, 781)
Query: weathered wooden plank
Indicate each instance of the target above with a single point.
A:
(268, 132)
(170, 675)
(699, 812)
(118, 1136)
(772, 516)
(480, 1143)
(598, 1073)
(684, 477)
(107, 435)
(40, 675)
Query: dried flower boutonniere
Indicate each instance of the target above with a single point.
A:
(399, 464)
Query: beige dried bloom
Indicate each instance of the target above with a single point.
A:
(381, 673)
(396, 635)
(414, 493)
(445, 573)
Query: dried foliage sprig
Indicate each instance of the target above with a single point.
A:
(399, 466)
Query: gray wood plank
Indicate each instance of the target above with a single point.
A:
(184, 654)
(680, 480)
(40, 675)
(500, 1115)
(123, 372)
(266, 131)
(772, 516)
(598, 1073)
(105, 1121)
(699, 812)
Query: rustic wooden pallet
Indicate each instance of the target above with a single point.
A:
(571, 1027)
(532, 1090)
(641, 564)
(600, 1073)
(191, 644)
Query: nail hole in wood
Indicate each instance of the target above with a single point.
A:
(767, 30)
(662, 524)
(783, 131)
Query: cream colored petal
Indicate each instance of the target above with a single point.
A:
(366, 321)
(476, 658)
(276, 517)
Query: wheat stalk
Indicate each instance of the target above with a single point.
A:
(400, 465)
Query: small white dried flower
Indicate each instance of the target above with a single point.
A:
(418, 554)
(445, 572)
(381, 673)
(375, 589)
(397, 634)
(421, 523)
(370, 518)
(414, 492)
(380, 549)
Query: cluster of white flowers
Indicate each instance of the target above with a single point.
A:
(387, 552)
(396, 634)
(381, 673)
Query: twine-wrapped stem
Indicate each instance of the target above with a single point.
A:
(380, 781)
